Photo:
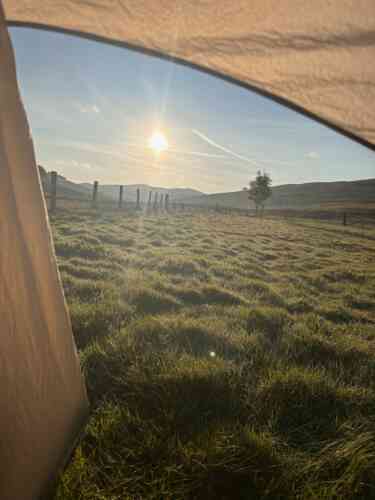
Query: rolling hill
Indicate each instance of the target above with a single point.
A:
(130, 192)
(314, 195)
(70, 189)
(65, 188)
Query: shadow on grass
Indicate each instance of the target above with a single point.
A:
(307, 407)
(151, 462)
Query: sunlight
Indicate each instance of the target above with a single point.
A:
(158, 142)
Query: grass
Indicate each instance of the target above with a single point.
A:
(225, 357)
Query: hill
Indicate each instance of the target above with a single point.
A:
(66, 188)
(130, 192)
(313, 195)
(70, 189)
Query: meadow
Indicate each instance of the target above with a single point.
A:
(225, 356)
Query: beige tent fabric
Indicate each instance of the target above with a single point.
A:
(317, 54)
(43, 398)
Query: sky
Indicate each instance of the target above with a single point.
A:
(93, 108)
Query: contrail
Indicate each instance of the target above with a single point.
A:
(177, 151)
(222, 148)
(255, 161)
(196, 153)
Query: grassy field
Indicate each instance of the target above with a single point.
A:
(225, 357)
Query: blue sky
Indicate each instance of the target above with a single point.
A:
(93, 108)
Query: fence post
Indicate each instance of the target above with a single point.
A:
(53, 191)
(155, 200)
(121, 196)
(161, 200)
(167, 202)
(95, 194)
(149, 198)
(138, 199)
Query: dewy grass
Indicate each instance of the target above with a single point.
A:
(225, 357)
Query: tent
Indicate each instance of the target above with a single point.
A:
(43, 399)
(315, 57)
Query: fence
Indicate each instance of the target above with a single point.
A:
(345, 216)
(74, 199)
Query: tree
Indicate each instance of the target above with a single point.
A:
(260, 190)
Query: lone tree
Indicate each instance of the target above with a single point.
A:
(260, 190)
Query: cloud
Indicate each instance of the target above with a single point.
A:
(312, 155)
(177, 151)
(82, 164)
(74, 163)
(105, 150)
(90, 108)
(84, 146)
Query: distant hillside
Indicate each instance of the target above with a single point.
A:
(65, 188)
(130, 192)
(70, 189)
(313, 195)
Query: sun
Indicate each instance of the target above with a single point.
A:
(158, 142)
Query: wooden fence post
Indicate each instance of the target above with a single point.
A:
(121, 196)
(161, 200)
(95, 194)
(53, 193)
(138, 199)
(167, 202)
(155, 200)
(149, 198)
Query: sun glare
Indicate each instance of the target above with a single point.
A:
(158, 142)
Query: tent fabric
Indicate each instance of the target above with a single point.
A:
(43, 398)
(317, 55)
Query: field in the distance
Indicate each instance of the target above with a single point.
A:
(226, 357)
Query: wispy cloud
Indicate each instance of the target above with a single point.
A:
(175, 151)
(88, 108)
(312, 155)
(82, 164)
(105, 150)
(196, 153)
(74, 163)
(82, 146)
